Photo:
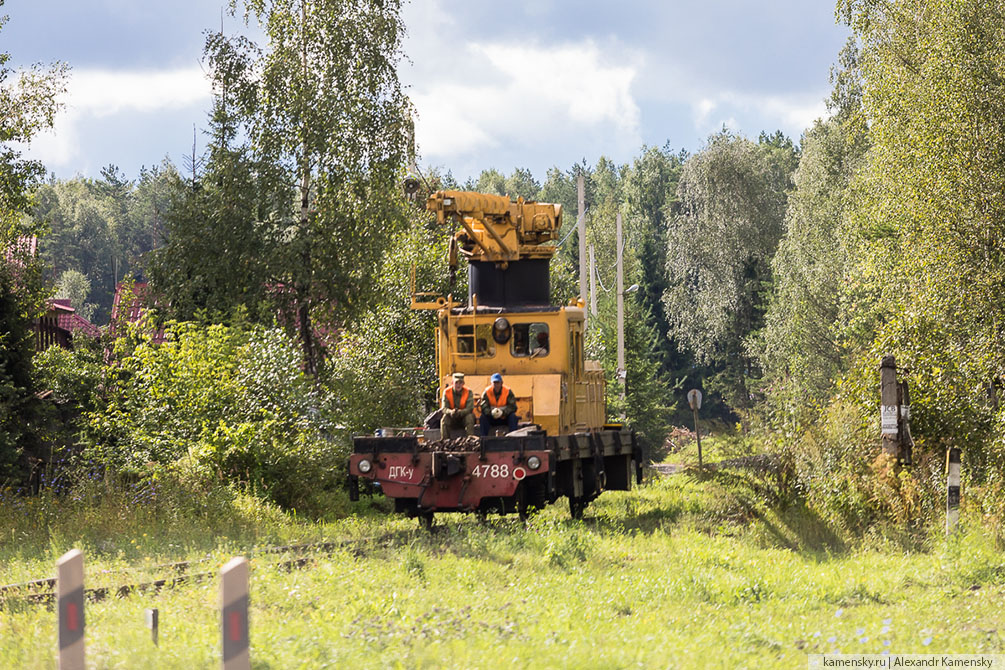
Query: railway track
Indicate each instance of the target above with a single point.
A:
(759, 462)
(43, 591)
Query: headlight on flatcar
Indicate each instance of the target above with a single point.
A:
(365, 466)
(533, 462)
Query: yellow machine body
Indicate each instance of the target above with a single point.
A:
(555, 386)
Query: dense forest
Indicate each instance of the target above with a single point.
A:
(774, 272)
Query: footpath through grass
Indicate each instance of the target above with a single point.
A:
(682, 573)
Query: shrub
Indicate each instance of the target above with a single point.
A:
(219, 403)
(849, 481)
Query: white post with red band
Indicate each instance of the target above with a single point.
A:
(952, 489)
(234, 614)
(70, 609)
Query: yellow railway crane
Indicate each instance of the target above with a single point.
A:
(506, 325)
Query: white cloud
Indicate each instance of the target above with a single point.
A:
(514, 95)
(792, 113)
(103, 92)
(536, 93)
(95, 94)
(702, 110)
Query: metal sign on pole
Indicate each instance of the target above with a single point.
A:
(952, 489)
(234, 614)
(70, 605)
(694, 400)
(889, 410)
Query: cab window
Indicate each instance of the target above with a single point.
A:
(530, 339)
(469, 341)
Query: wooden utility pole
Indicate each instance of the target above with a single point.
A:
(581, 225)
(889, 406)
(621, 304)
(593, 282)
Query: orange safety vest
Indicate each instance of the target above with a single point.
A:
(449, 395)
(501, 400)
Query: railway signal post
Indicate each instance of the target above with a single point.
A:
(889, 410)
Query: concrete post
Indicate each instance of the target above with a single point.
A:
(234, 614)
(70, 605)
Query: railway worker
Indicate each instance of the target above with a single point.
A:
(541, 347)
(498, 406)
(458, 404)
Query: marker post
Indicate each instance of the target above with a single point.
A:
(952, 489)
(694, 400)
(70, 606)
(234, 614)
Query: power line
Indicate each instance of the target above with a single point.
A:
(569, 234)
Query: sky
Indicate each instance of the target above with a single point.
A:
(524, 84)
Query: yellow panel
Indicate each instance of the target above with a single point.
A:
(547, 394)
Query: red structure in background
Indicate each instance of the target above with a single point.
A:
(59, 325)
(60, 322)
(130, 307)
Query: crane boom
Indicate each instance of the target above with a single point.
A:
(497, 229)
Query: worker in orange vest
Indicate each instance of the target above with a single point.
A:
(458, 404)
(498, 406)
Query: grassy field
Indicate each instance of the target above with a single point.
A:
(685, 572)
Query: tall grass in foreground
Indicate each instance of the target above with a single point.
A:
(686, 572)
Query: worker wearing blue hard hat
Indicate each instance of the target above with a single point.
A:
(498, 406)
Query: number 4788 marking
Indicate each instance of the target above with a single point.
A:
(494, 471)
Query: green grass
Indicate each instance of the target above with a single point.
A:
(685, 572)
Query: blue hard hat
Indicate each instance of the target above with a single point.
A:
(496, 377)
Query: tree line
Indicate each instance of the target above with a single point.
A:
(773, 272)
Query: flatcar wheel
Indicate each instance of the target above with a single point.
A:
(426, 521)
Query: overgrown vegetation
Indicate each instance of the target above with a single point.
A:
(772, 275)
(686, 571)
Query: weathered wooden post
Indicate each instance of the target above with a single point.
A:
(234, 614)
(593, 282)
(694, 400)
(584, 288)
(153, 623)
(70, 607)
(952, 489)
(889, 411)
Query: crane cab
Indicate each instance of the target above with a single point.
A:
(539, 352)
